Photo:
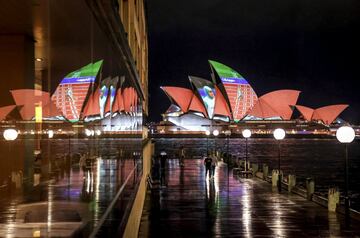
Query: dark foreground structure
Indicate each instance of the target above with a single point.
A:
(192, 206)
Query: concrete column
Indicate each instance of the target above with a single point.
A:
(333, 199)
(291, 182)
(274, 177)
(265, 170)
(310, 188)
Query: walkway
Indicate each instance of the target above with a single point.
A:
(191, 206)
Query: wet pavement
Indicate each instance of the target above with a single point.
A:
(192, 206)
(64, 199)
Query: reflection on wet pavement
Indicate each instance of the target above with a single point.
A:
(65, 197)
(192, 206)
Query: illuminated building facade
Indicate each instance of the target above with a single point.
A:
(90, 70)
(229, 98)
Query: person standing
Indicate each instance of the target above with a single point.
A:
(163, 158)
(213, 165)
(207, 163)
(37, 167)
(182, 156)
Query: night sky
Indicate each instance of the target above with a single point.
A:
(307, 45)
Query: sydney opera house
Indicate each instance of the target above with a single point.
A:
(81, 97)
(229, 99)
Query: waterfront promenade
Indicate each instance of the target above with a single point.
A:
(192, 206)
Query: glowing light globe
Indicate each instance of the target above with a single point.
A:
(345, 134)
(215, 132)
(88, 132)
(227, 132)
(10, 134)
(98, 132)
(246, 133)
(50, 134)
(279, 134)
(207, 132)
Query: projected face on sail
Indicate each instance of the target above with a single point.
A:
(208, 97)
(207, 93)
(102, 99)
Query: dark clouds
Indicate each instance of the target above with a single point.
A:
(312, 46)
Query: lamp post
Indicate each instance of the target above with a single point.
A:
(207, 133)
(10, 135)
(215, 133)
(246, 134)
(98, 134)
(279, 134)
(346, 135)
(227, 134)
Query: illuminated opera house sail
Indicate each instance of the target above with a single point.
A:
(82, 96)
(229, 97)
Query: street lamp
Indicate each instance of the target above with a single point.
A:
(50, 134)
(207, 133)
(279, 134)
(346, 135)
(10, 134)
(246, 134)
(215, 133)
(228, 134)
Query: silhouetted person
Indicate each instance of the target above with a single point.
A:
(213, 165)
(207, 163)
(182, 156)
(163, 158)
(37, 167)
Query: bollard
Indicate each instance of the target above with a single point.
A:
(274, 177)
(255, 168)
(265, 171)
(310, 187)
(291, 182)
(333, 199)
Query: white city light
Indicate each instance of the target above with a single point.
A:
(227, 132)
(279, 134)
(345, 134)
(207, 132)
(50, 134)
(246, 133)
(88, 132)
(10, 134)
(215, 132)
(98, 132)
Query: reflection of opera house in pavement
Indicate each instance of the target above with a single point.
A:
(229, 100)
